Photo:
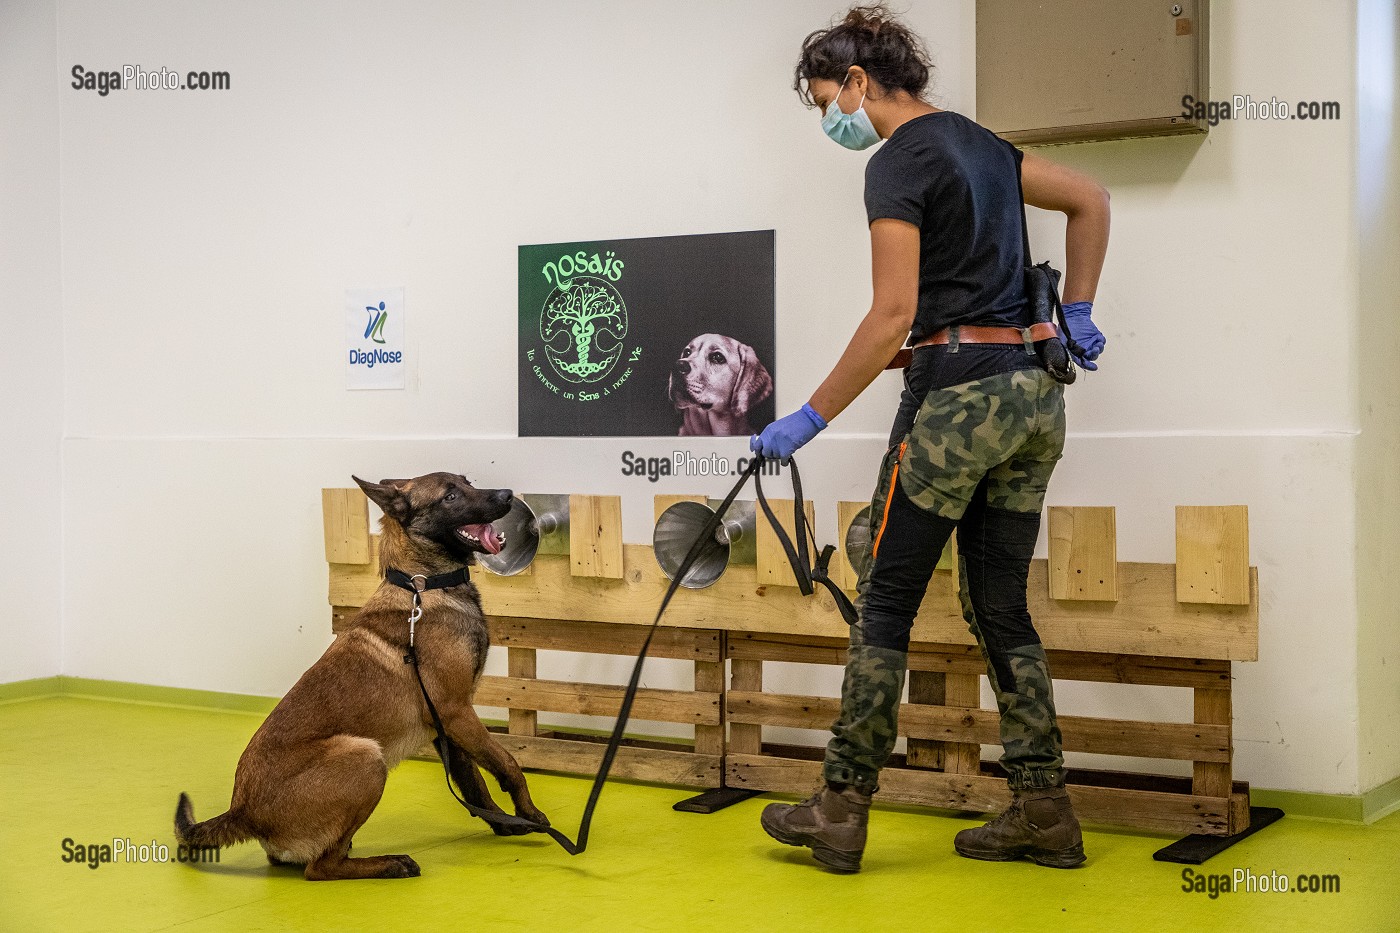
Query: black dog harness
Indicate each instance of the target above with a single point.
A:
(797, 556)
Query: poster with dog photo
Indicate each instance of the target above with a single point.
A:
(650, 337)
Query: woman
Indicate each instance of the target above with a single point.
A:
(978, 431)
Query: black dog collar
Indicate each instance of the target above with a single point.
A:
(418, 583)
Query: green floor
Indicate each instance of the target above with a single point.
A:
(95, 770)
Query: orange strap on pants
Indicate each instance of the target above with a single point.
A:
(889, 495)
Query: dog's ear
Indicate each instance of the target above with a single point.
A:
(390, 495)
(753, 383)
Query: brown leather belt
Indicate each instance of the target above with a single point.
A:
(968, 333)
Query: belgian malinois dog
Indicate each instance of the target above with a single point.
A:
(315, 770)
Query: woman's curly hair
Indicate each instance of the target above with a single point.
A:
(871, 37)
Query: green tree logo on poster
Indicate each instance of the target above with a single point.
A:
(583, 324)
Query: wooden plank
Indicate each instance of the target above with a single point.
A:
(662, 503)
(1212, 555)
(778, 709)
(351, 584)
(709, 679)
(773, 567)
(558, 696)
(956, 659)
(925, 687)
(798, 649)
(841, 569)
(1083, 553)
(595, 536)
(1146, 620)
(521, 662)
(593, 637)
(974, 727)
(1209, 777)
(342, 617)
(1239, 812)
(345, 516)
(1177, 741)
(963, 690)
(1080, 665)
(638, 764)
(1164, 812)
(745, 675)
(794, 649)
(1143, 669)
(604, 638)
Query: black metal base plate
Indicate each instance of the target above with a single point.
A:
(1196, 848)
(715, 799)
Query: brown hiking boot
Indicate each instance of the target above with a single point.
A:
(1040, 823)
(830, 823)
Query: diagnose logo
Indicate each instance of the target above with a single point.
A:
(374, 330)
(374, 338)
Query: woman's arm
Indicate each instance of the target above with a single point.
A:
(1084, 202)
(894, 256)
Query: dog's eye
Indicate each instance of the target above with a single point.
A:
(451, 496)
(685, 353)
(717, 358)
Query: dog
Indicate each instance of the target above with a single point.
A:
(315, 770)
(714, 383)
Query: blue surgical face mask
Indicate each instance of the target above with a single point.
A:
(852, 130)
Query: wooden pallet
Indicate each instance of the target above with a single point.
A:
(1178, 625)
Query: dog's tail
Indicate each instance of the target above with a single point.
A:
(223, 830)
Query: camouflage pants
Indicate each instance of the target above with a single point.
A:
(977, 457)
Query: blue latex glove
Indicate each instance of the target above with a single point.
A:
(1081, 328)
(780, 439)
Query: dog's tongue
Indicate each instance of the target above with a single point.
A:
(489, 537)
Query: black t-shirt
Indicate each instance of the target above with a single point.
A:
(956, 182)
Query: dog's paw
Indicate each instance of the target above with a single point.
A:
(502, 830)
(403, 867)
(535, 816)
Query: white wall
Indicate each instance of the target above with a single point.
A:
(207, 239)
(31, 380)
(1378, 480)
(1230, 305)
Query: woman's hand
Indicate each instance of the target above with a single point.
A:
(1084, 336)
(781, 439)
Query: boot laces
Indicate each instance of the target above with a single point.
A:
(1009, 815)
(813, 802)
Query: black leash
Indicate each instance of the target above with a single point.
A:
(818, 572)
(806, 576)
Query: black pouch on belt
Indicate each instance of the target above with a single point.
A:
(1042, 291)
(1043, 295)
